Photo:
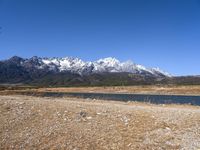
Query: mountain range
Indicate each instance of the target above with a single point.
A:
(69, 71)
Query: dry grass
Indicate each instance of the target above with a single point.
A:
(153, 89)
(70, 123)
(181, 90)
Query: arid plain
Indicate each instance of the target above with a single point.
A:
(30, 122)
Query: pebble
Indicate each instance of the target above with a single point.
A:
(89, 118)
(83, 114)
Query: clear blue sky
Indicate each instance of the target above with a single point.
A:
(163, 33)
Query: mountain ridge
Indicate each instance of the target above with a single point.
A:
(76, 65)
(69, 71)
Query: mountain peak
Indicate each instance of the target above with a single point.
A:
(76, 65)
(109, 60)
(16, 59)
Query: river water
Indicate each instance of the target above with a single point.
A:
(157, 99)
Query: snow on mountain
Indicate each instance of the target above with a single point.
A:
(161, 71)
(109, 64)
(76, 65)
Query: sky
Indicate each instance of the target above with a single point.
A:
(154, 33)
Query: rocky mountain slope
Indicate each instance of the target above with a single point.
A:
(77, 66)
(74, 71)
(70, 71)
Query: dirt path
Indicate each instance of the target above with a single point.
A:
(76, 124)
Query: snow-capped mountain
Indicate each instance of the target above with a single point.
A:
(76, 65)
(69, 71)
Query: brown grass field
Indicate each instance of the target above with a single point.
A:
(146, 89)
(180, 90)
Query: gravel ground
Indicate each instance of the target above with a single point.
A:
(77, 124)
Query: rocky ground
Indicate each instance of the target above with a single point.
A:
(77, 124)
